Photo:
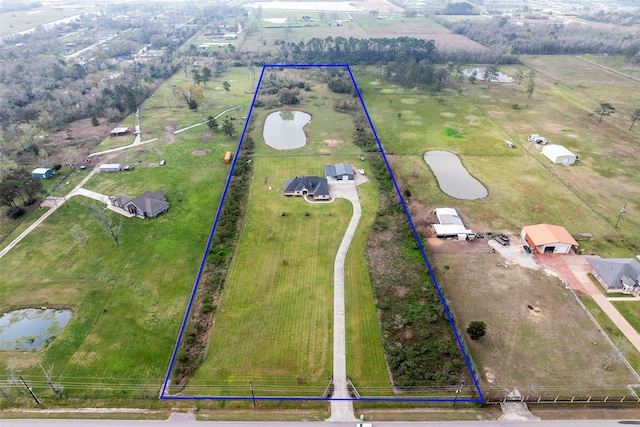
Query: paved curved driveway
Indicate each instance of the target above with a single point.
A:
(342, 410)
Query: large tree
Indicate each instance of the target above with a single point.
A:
(604, 109)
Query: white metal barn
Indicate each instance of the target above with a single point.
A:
(451, 225)
(110, 167)
(559, 154)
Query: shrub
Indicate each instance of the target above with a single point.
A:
(15, 212)
(477, 329)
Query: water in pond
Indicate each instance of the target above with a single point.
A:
(453, 178)
(31, 328)
(284, 130)
(500, 78)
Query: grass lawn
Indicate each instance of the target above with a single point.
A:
(275, 321)
(630, 310)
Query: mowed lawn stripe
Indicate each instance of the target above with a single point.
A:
(275, 320)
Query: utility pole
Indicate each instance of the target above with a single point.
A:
(620, 216)
(458, 390)
(30, 391)
(253, 396)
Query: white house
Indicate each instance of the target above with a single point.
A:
(559, 154)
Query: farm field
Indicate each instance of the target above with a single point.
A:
(128, 300)
(362, 26)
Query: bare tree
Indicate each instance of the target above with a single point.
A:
(57, 388)
(490, 73)
(517, 81)
(635, 115)
(106, 220)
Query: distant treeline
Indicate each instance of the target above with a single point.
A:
(503, 36)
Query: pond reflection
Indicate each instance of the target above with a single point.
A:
(453, 178)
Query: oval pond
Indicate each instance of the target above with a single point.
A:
(500, 78)
(284, 130)
(31, 328)
(453, 178)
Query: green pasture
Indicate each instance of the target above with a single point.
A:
(617, 62)
(524, 187)
(366, 365)
(399, 25)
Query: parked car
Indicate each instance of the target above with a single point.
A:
(527, 249)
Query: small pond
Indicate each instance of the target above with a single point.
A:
(284, 130)
(501, 78)
(31, 328)
(453, 178)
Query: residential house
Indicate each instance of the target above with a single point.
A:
(149, 204)
(617, 274)
(314, 186)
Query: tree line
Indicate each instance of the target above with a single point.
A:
(506, 36)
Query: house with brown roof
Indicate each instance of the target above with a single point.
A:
(147, 205)
(548, 239)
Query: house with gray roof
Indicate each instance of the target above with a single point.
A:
(314, 186)
(617, 274)
(341, 172)
(147, 205)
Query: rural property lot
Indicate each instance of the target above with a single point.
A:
(524, 188)
(549, 348)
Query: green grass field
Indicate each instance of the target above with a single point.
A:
(631, 311)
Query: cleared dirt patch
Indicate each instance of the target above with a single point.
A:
(537, 334)
(332, 143)
(200, 152)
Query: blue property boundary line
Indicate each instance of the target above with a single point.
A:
(164, 396)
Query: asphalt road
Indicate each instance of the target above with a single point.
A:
(191, 423)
